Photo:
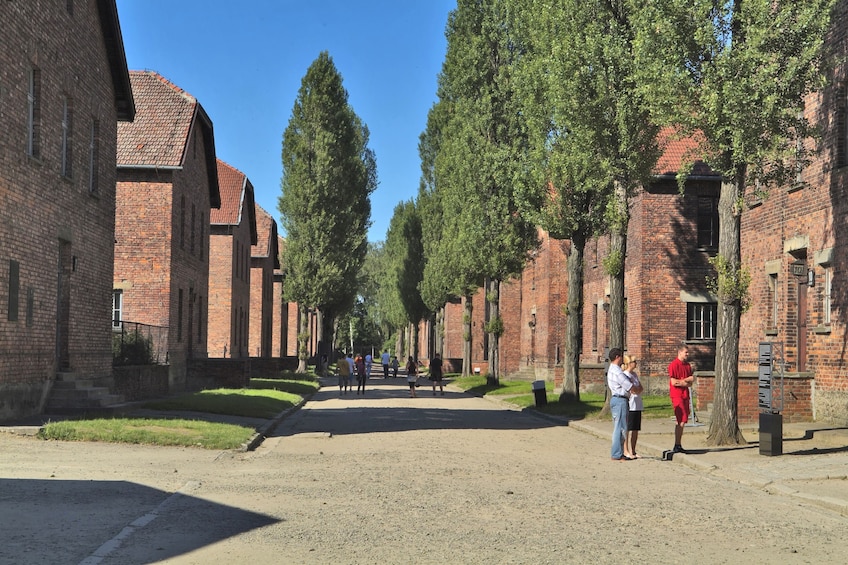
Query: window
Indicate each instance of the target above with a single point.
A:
(94, 157)
(180, 315)
(193, 221)
(67, 135)
(774, 301)
(117, 308)
(827, 303)
(14, 289)
(182, 222)
(34, 113)
(595, 327)
(30, 306)
(202, 233)
(708, 222)
(701, 320)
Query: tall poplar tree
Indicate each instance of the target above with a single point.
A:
(478, 162)
(329, 174)
(736, 73)
(594, 141)
(405, 265)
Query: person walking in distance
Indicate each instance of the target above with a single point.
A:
(620, 386)
(344, 375)
(384, 359)
(436, 373)
(368, 361)
(680, 380)
(411, 376)
(634, 414)
(361, 375)
(395, 366)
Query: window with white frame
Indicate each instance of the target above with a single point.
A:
(117, 308)
(701, 320)
(827, 303)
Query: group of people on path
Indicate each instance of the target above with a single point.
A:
(436, 375)
(348, 366)
(626, 403)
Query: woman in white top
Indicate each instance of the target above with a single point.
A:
(634, 414)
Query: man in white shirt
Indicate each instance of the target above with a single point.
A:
(384, 359)
(620, 386)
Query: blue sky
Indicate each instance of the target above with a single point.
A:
(244, 61)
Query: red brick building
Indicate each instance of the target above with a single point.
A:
(63, 87)
(233, 233)
(264, 260)
(670, 239)
(794, 245)
(167, 185)
(280, 336)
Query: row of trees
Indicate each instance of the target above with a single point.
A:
(549, 114)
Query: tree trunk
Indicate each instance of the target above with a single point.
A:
(493, 305)
(466, 335)
(413, 340)
(618, 252)
(724, 420)
(573, 321)
(302, 338)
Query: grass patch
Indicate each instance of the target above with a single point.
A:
(299, 387)
(251, 403)
(591, 404)
(477, 384)
(520, 393)
(188, 433)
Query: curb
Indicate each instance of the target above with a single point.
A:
(260, 435)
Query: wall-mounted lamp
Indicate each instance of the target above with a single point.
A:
(811, 278)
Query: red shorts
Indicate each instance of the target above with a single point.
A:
(681, 409)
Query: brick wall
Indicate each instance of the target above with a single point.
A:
(805, 222)
(35, 200)
(229, 307)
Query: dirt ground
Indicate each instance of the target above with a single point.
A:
(385, 478)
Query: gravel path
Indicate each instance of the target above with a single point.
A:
(389, 479)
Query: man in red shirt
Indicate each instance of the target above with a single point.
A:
(680, 379)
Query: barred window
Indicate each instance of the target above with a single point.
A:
(67, 136)
(34, 112)
(708, 222)
(701, 320)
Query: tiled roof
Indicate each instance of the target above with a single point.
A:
(675, 151)
(266, 236)
(164, 114)
(231, 184)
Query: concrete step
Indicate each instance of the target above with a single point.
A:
(74, 396)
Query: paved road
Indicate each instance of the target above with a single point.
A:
(389, 479)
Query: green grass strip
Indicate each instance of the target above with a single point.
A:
(164, 432)
(251, 403)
